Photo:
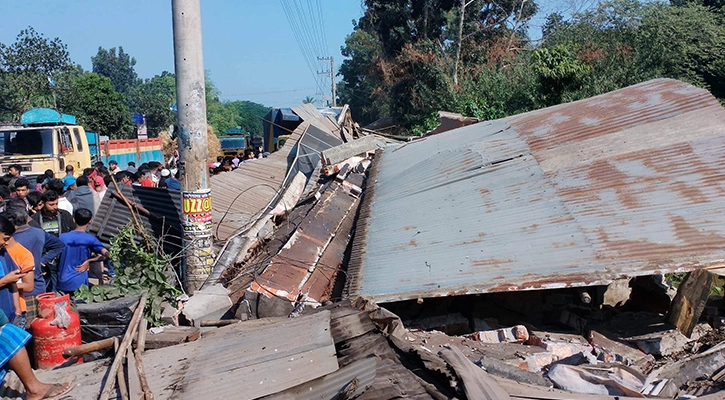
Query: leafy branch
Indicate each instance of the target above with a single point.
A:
(138, 268)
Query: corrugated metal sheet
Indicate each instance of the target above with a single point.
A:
(308, 263)
(623, 184)
(241, 196)
(243, 361)
(163, 217)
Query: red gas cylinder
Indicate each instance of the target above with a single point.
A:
(50, 340)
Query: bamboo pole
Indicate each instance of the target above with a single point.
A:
(89, 347)
(130, 331)
(120, 377)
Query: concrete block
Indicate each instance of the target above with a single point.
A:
(612, 351)
(344, 151)
(169, 314)
(536, 362)
(617, 293)
(209, 303)
(514, 334)
(562, 350)
(662, 343)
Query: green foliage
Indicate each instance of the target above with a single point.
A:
(153, 98)
(138, 269)
(117, 67)
(401, 55)
(27, 69)
(98, 106)
(558, 70)
(223, 115)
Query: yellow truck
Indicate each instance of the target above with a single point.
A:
(46, 140)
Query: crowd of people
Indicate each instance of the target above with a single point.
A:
(44, 247)
(230, 163)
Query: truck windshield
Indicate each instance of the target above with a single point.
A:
(26, 141)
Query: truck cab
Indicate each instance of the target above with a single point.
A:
(46, 140)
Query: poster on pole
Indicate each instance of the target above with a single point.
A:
(197, 211)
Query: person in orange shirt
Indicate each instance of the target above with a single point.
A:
(26, 264)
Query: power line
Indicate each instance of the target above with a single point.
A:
(298, 35)
(308, 28)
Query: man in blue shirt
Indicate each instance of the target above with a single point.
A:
(172, 182)
(68, 180)
(78, 254)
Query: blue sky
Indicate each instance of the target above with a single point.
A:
(249, 47)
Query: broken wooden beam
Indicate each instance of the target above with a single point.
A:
(89, 347)
(130, 331)
(692, 295)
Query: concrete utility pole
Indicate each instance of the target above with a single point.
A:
(193, 145)
(332, 77)
(333, 87)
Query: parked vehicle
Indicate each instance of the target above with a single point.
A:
(48, 139)
(125, 150)
(233, 145)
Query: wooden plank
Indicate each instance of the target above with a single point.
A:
(477, 384)
(134, 385)
(690, 300)
(172, 335)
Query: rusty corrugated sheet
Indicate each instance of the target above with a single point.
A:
(623, 184)
(309, 261)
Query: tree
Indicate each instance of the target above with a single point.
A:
(28, 69)
(402, 55)
(308, 100)
(154, 98)
(97, 105)
(118, 67)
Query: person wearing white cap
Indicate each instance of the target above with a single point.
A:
(165, 173)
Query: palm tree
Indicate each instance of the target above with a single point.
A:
(308, 100)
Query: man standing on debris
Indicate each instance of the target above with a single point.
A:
(78, 255)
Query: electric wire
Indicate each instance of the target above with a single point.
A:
(307, 27)
(301, 41)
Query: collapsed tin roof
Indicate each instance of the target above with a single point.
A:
(623, 184)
